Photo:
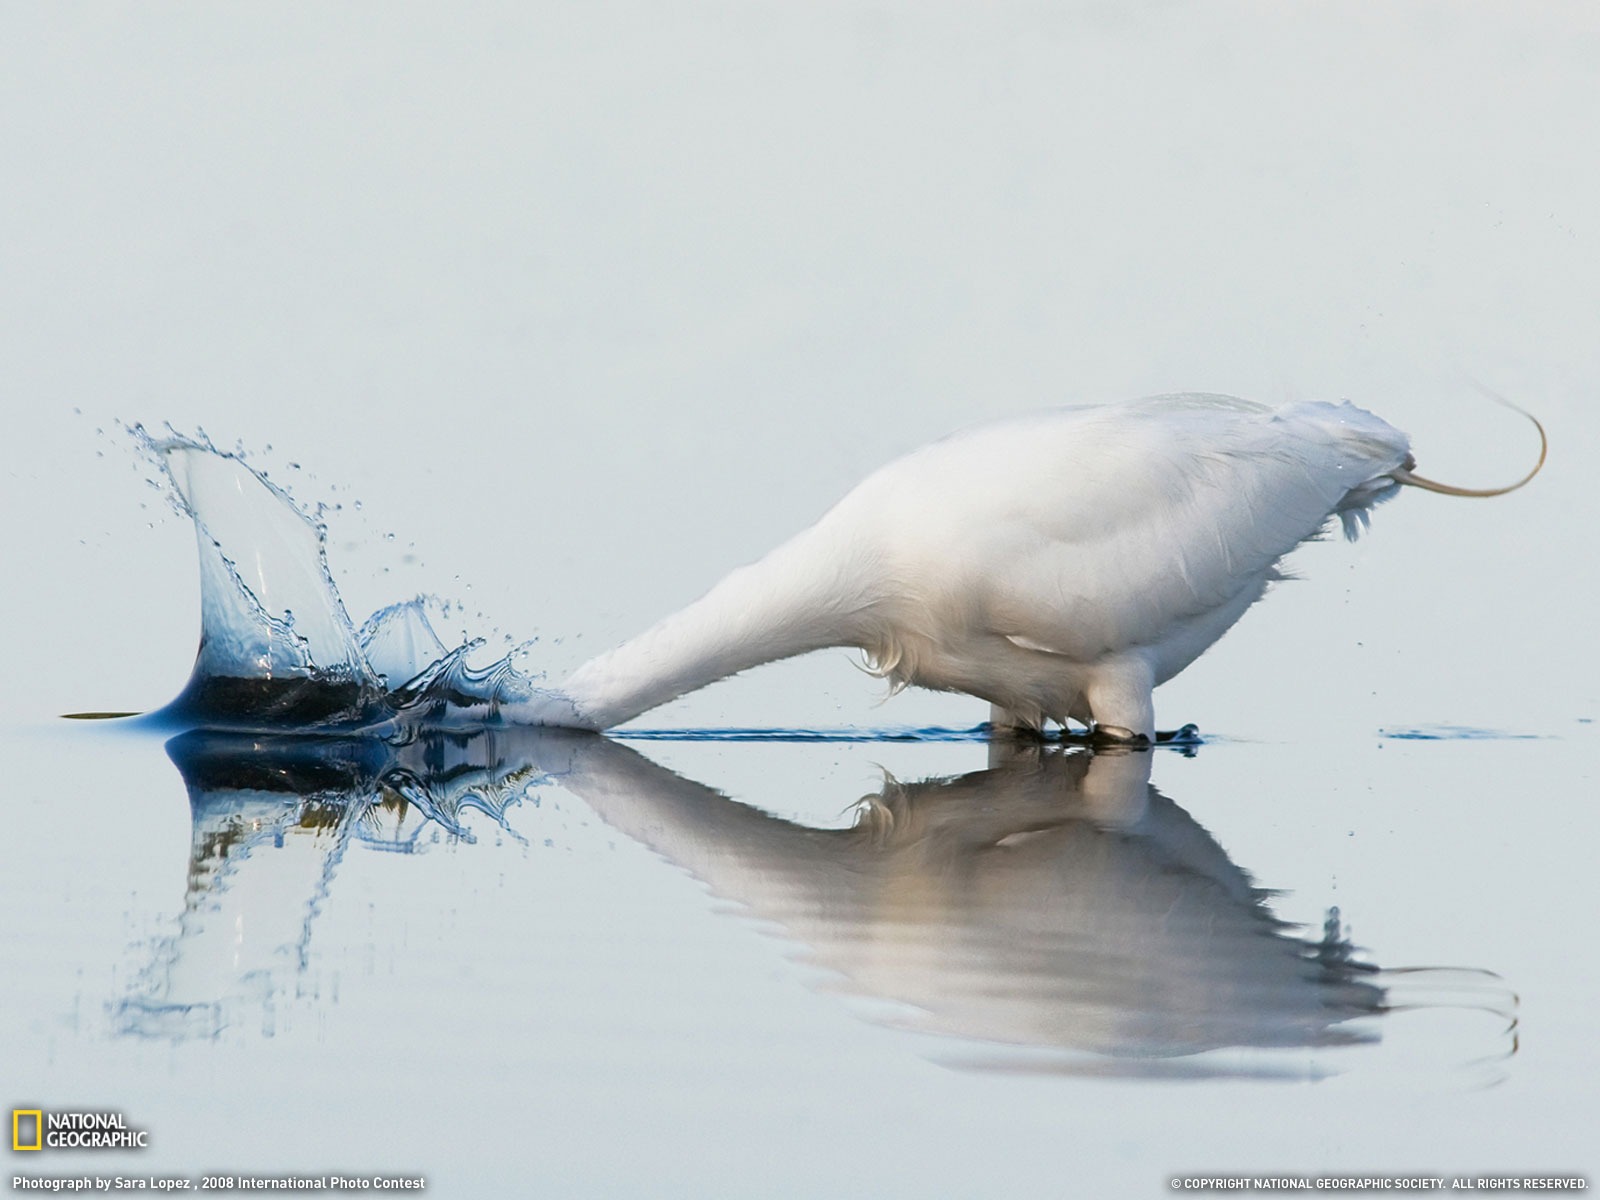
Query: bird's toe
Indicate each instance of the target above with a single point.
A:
(1117, 735)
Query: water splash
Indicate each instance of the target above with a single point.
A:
(399, 642)
(278, 650)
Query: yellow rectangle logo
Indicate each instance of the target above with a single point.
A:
(18, 1115)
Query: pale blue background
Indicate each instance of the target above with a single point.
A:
(587, 303)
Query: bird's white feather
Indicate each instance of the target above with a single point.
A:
(1060, 564)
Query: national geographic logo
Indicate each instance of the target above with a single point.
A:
(50, 1129)
(27, 1129)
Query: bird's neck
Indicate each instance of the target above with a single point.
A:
(805, 595)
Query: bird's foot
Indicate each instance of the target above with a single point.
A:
(1020, 733)
(1107, 736)
(1005, 724)
(1189, 735)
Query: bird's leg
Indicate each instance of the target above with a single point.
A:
(1119, 695)
(1011, 737)
(1005, 723)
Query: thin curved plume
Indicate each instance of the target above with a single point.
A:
(1407, 477)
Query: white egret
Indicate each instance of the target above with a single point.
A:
(1060, 565)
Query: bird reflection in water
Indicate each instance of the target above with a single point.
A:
(1052, 912)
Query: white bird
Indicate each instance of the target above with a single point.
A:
(1060, 565)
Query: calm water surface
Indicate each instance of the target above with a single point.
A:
(572, 962)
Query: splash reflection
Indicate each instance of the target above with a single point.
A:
(272, 819)
(1054, 911)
